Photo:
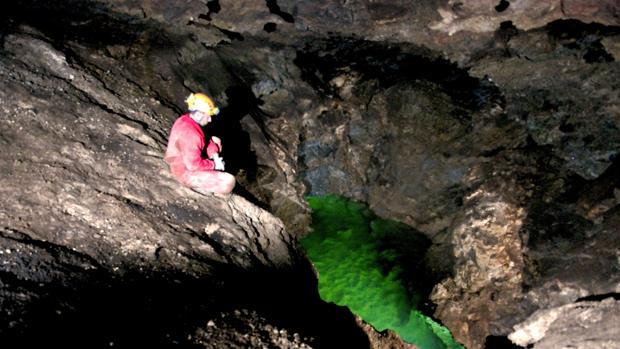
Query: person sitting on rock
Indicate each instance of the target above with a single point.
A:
(186, 149)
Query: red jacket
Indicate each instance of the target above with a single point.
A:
(185, 148)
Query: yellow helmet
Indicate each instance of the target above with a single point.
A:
(201, 102)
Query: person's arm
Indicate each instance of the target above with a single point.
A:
(214, 147)
(191, 152)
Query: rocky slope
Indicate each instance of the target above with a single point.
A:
(491, 127)
(101, 246)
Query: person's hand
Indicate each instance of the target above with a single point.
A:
(219, 162)
(217, 141)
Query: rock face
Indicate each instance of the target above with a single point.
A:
(491, 127)
(100, 246)
(87, 199)
(116, 186)
(591, 324)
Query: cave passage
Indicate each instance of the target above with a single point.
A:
(365, 263)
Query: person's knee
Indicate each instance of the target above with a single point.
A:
(229, 184)
(213, 182)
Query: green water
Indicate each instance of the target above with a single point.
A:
(359, 270)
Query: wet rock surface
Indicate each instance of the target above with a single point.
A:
(491, 127)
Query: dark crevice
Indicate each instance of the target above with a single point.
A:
(231, 34)
(553, 224)
(206, 260)
(502, 6)
(596, 53)
(566, 29)
(214, 7)
(270, 27)
(240, 159)
(238, 154)
(498, 47)
(500, 342)
(273, 7)
(506, 31)
(567, 127)
(599, 297)
(492, 153)
(589, 192)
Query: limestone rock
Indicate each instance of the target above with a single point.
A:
(575, 325)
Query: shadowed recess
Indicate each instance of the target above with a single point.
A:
(89, 22)
(388, 65)
(214, 7)
(69, 300)
(273, 7)
(359, 269)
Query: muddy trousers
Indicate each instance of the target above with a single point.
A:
(206, 182)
